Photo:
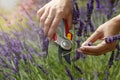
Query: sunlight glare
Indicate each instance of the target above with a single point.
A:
(8, 4)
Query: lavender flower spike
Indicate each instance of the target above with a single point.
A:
(112, 38)
(69, 73)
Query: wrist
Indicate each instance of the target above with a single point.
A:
(117, 21)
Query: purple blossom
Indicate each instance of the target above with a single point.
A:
(117, 56)
(90, 7)
(42, 69)
(106, 74)
(118, 47)
(44, 41)
(78, 43)
(16, 67)
(75, 12)
(110, 63)
(69, 73)
(97, 3)
(95, 75)
(78, 69)
(80, 79)
(78, 55)
(24, 57)
(112, 38)
(80, 28)
(111, 5)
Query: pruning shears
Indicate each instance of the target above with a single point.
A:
(64, 40)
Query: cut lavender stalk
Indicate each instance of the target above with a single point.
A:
(112, 38)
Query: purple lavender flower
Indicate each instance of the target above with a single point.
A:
(78, 55)
(42, 69)
(44, 41)
(42, 54)
(78, 69)
(106, 74)
(112, 38)
(78, 43)
(118, 47)
(97, 3)
(69, 73)
(75, 12)
(80, 79)
(95, 75)
(30, 57)
(24, 57)
(90, 7)
(117, 56)
(111, 5)
(80, 28)
(16, 67)
(110, 63)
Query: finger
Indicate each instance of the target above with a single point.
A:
(69, 21)
(88, 53)
(100, 48)
(49, 20)
(54, 25)
(85, 43)
(95, 36)
(44, 16)
(95, 54)
(40, 12)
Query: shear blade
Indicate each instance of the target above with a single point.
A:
(64, 53)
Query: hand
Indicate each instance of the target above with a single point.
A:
(52, 13)
(110, 28)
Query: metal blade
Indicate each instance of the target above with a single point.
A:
(64, 53)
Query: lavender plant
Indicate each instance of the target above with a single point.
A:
(25, 52)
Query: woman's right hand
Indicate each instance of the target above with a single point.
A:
(52, 13)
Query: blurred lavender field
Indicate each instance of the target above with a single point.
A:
(24, 51)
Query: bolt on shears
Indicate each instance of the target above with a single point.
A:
(64, 40)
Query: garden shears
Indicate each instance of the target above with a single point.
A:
(64, 40)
